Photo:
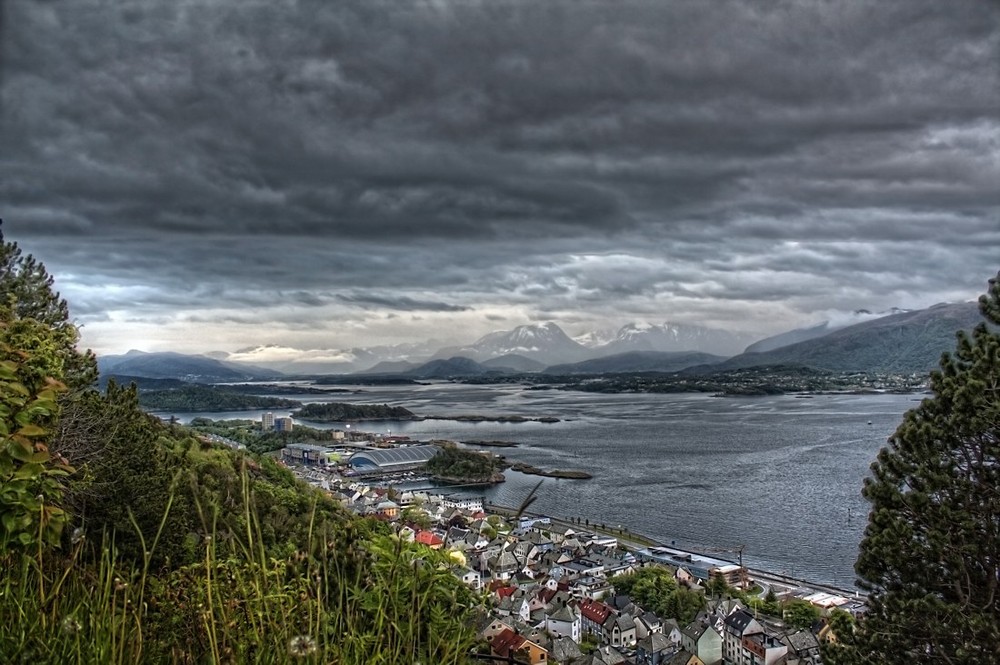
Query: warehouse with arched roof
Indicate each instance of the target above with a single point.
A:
(392, 459)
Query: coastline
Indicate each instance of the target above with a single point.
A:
(631, 542)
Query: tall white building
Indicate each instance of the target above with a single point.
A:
(266, 422)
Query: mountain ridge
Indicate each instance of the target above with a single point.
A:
(906, 342)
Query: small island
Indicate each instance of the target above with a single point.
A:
(464, 467)
(193, 398)
(491, 444)
(477, 418)
(335, 412)
(555, 473)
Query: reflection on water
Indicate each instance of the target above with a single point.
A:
(778, 474)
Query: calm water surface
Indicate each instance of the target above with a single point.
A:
(781, 475)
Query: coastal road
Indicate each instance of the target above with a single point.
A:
(781, 583)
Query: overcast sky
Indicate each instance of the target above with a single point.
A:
(207, 175)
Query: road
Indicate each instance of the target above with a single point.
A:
(634, 541)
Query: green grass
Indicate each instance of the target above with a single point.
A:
(340, 597)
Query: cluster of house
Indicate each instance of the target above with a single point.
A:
(551, 591)
(554, 589)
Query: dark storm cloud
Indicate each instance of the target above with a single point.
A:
(399, 303)
(218, 154)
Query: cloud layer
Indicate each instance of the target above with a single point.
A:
(212, 174)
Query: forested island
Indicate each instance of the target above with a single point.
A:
(335, 412)
(750, 381)
(194, 397)
(454, 465)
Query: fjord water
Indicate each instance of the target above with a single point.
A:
(781, 475)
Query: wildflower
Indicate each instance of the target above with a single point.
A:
(71, 626)
(78, 535)
(120, 585)
(301, 646)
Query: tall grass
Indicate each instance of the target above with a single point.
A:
(338, 598)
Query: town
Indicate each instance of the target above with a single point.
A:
(565, 590)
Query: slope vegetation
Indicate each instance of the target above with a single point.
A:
(900, 343)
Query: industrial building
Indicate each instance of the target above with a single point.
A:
(700, 566)
(392, 459)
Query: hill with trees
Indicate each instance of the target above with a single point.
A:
(125, 540)
(899, 343)
(170, 365)
(192, 398)
(454, 464)
(336, 412)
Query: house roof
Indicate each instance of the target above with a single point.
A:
(506, 559)
(595, 611)
(801, 641)
(654, 643)
(505, 591)
(738, 621)
(506, 642)
(565, 613)
(546, 595)
(682, 657)
(694, 630)
(608, 656)
(565, 649)
(428, 538)
(624, 623)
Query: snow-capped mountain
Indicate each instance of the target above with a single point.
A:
(595, 338)
(330, 361)
(544, 342)
(674, 337)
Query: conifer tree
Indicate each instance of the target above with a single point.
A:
(27, 294)
(930, 557)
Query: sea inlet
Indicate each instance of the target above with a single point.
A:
(781, 475)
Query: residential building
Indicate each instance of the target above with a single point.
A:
(701, 639)
(469, 578)
(654, 649)
(762, 649)
(564, 621)
(737, 626)
(508, 643)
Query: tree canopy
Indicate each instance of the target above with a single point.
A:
(655, 589)
(28, 296)
(930, 557)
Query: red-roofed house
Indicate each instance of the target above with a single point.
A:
(594, 614)
(430, 539)
(508, 643)
(505, 591)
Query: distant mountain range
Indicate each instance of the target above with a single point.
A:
(674, 338)
(545, 343)
(168, 365)
(901, 341)
(637, 361)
